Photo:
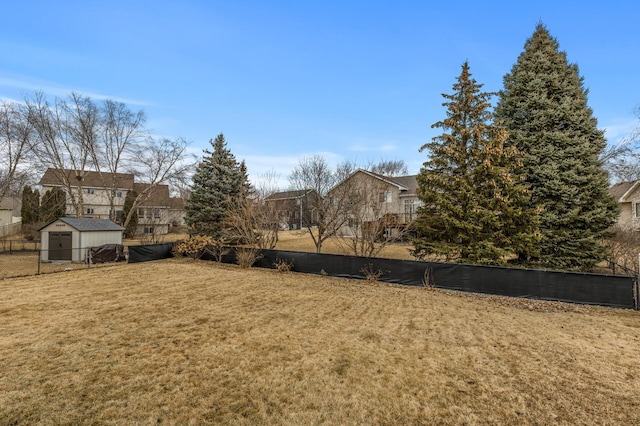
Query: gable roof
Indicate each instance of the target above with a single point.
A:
(157, 197)
(407, 185)
(87, 224)
(88, 178)
(621, 190)
(288, 195)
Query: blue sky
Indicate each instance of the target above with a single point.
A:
(358, 80)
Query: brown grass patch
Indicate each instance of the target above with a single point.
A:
(301, 241)
(192, 342)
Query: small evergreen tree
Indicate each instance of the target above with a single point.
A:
(132, 226)
(54, 205)
(544, 108)
(30, 210)
(217, 183)
(472, 192)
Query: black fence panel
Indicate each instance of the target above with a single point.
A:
(150, 252)
(575, 287)
(107, 253)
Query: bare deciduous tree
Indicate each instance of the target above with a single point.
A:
(389, 168)
(622, 161)
(15, 132)
(158, 161)
(314, 173)
(372, 223)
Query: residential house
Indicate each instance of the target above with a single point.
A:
(294, 209)
(10, 216)
(627, 194)
(378, 199)
(106, 193)
(95, 191)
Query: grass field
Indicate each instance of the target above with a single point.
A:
(189, 342)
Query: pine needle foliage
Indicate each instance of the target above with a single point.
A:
(473, 195)
(544, 108)
(217, 182)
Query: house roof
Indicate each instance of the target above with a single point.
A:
(54, 177)
(176, 203)
(157, 196)
(621, 190)
(408, 185)
(86, 224)
(288, 195)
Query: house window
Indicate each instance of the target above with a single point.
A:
(117, 193)
(119, 216)
(91, 191)
(410, 210)
(638, 210)
(156, 213)
(385, 197)
(148, 230)
(89, 210)
(140, 212)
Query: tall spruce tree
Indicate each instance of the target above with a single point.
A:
(217, 183)
(474, 198)
(544, 107)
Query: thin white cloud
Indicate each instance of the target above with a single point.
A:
(620, 130)
(27, 84)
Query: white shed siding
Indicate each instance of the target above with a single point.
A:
(80, 240)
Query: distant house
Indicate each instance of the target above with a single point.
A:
(159, 212)
(379, 201)
(627, 194)
(156, 214)
(10, 216)
(294, 209)
(70, 238)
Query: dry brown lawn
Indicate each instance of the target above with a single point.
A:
(190, 342)
(301, 241)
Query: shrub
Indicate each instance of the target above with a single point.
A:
(283, 266)
(247, 256)
(371, 273)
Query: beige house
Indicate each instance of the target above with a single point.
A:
(378, 201)
(106, 193)
(627, 194)
(10, 216)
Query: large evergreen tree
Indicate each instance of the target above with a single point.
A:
(473, 195)
(544, 108)
(217, 183)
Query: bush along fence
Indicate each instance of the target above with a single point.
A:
(575, 287)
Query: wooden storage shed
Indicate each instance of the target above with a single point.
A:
(70, 238)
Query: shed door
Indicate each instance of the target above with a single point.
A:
(59, 245)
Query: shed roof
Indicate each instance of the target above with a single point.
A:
(87, 224)
(288, 195)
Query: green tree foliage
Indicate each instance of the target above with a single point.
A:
(544, 108)
(53, 206)
(132, 225)
(30, 210)
(218, 182)
(472, 192)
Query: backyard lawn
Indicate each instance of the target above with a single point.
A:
(194, 342)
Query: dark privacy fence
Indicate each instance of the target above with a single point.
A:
(576, 287)
(150, 252)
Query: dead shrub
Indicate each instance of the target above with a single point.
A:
(192, 247)
(371, 273)
(283, 266)
(247, 256)
(428, 280)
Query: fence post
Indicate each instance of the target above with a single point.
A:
(39, 257)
